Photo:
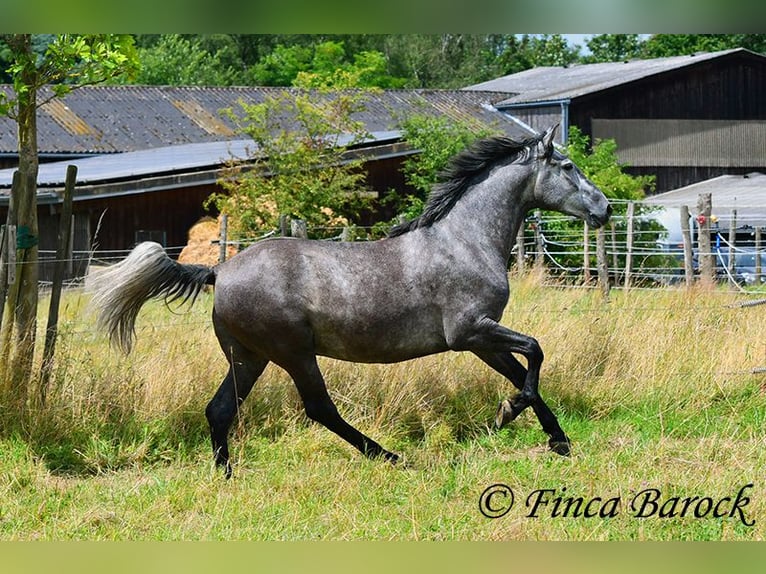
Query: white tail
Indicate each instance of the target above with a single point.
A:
(119, 292)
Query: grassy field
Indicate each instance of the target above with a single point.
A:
(654, 388)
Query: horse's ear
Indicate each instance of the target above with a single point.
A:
(545, 147)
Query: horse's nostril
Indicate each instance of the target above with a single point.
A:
(609, 210)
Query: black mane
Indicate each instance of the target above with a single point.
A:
(458, 175)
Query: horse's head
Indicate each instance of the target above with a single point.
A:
(561, 186)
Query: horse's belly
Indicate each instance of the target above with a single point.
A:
(378, 343)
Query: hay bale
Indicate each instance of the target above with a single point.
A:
(199, 248)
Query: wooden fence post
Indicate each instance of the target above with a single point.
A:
(687, 240)
(8, 248)
(539, 245)
(732, 241)
(704, 252)
(298, 228)
(284, 225)
(629, 243)
(615, 258)
(3, 269)
(9, 311)
(758, 270)
(520, 251)
(602, 263)
(62, 249)
(586, 254)
(223, 240)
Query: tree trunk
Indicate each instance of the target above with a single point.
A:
(22, 301)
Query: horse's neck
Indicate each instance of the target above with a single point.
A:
(491, 213)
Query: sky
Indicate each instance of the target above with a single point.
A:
(577, 38)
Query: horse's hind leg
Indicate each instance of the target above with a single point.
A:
(244, 369)
(508, 366)
(320, 408)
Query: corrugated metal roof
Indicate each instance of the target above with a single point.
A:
(67, 119)
(154, 162)
(746, 194)
(203, 118)
(730, 191)
(562, 83)
(110, 119)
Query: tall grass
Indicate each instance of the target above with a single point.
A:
(663, 354)
(655, 389)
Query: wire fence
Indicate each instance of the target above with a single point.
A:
(561, 245)
(717, 302)
(645, 249)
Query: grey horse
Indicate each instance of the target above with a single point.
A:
(436, 283)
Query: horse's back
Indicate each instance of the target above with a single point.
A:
(352, 301)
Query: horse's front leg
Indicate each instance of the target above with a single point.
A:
(494, 343)
(508, 366)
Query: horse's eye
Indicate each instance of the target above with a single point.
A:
(567, 165)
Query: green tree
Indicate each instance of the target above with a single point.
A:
(551, 50)
(437, 140)
(447, 61)
(178, 61)
(281, 66)
(664, 45)
(613, 48)
(602, 166)
(66, 62)
(326, 64)
(300, 170)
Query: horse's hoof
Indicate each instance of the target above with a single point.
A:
(562, 447)
(504, 414)
(391, 457)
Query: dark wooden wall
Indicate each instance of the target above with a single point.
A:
(170, 212)
(115, 224)
(728, 88)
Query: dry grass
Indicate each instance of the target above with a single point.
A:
(654, 387)
(675, 349)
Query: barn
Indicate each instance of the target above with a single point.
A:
(684, 119)
(148, 157)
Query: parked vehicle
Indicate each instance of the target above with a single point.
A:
(744, 272)
(744, 266)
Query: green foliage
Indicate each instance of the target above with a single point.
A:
(176, 60)
(281, 66)
(437, 139)
(63, 61)
(664, 45)
(327, 64)
(613, 48)
(298, 169)
(441, 60)
(550, 50)
(388, 61)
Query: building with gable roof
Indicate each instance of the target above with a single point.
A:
(149, 156)
(684, 119)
